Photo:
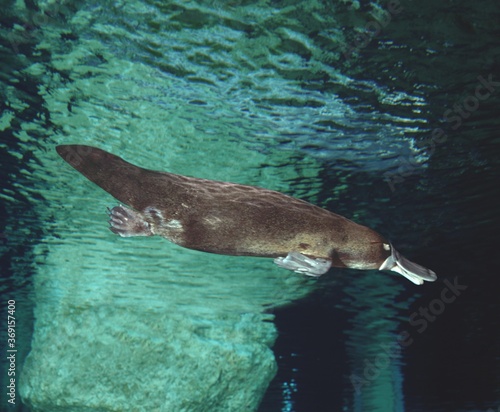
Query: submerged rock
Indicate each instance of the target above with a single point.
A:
(100, 358)
(143, 325)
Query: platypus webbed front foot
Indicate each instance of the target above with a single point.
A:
(410, 270)
(127, 222)
(302, 264)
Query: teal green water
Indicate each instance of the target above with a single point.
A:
(261, 93)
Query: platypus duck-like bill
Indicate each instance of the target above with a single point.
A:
(410, 270)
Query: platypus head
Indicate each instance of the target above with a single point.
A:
(411, 271)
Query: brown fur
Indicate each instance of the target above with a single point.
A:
(228, 218)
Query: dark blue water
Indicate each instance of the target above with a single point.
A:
(386, 113)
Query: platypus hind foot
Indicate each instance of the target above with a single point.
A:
(127, 222)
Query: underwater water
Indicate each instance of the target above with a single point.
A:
(384, 112)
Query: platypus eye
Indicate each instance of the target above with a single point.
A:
(387, 246)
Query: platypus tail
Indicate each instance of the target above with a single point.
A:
(123, 180)
(411, 271)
